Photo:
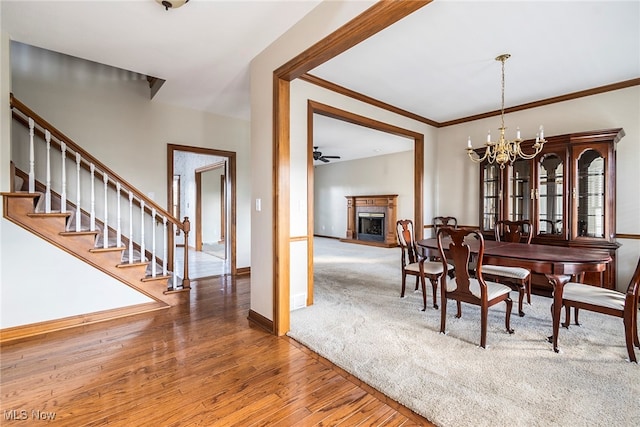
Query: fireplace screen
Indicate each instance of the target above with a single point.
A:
(371, 226)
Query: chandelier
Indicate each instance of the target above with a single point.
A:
(505, 151)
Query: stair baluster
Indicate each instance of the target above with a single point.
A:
(142, 245)
(119, 216)
(32, 157)
(92, 213)
(47, 193)
(164, 246)
(105, 233)
(63, 192)
(130, 227)
(78, 195)
(153, 242)
(186, 227)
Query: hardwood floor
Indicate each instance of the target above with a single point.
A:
(196, 364)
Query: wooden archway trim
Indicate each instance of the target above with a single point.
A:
(376, 18)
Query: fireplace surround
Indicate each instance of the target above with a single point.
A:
(371, 220)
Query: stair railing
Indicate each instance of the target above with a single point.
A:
(143, 235)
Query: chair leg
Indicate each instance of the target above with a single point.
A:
(529, 290)
(434, 287)
(575, 313)
(443, 314)
(567, 317)
(507, 321)
(417, 282)
(634, 323)
(521, 292)
(424, 294)
(484, 313)
(404, 283)
(629, 333)
(459, 314)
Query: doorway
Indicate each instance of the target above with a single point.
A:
(202, 187)
(211, 215)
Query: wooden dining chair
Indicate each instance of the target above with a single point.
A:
(463, 287)
(607, 301)
(415, 264)
(517, 277)
(443, 221)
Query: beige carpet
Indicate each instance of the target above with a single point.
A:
(360, 323)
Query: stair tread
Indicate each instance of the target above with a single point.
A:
(21, 194)
(159, 277)
(109, 249)
(50, 214)
(77, 233)
(133, 264)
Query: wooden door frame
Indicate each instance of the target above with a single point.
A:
(371, 21)
(231, 182)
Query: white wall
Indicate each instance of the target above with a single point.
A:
(615, 109)
(55, 285)
(389, 174)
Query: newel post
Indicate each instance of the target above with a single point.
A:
(186, 227)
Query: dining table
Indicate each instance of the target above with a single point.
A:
(558, 263)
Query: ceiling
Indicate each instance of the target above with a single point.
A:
(437, 63)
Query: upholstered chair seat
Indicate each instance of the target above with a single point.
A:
(511, 272)
(494, 290)
(593, 295)
(429, 267)
(609, 302)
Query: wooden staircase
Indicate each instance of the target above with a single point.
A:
(20, 208)
(101, 219)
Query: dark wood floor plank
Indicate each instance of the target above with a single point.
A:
(199, 363)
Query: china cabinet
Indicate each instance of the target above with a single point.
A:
(567, 192)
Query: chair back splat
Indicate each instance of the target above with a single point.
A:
(444, 221)
(513, 231)
(453, 244)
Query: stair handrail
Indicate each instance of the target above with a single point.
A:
(22, 114)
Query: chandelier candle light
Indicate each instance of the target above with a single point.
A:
(505, 150)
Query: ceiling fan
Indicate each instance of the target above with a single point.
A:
(317, 155)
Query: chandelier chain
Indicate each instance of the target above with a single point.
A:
(504, 150)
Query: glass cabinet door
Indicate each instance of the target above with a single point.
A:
(550, 195)
(519, 191)
(490, 196)
(590, 195)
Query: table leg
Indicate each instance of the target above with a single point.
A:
(558, 282)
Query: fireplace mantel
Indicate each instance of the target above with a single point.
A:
(383, 203)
